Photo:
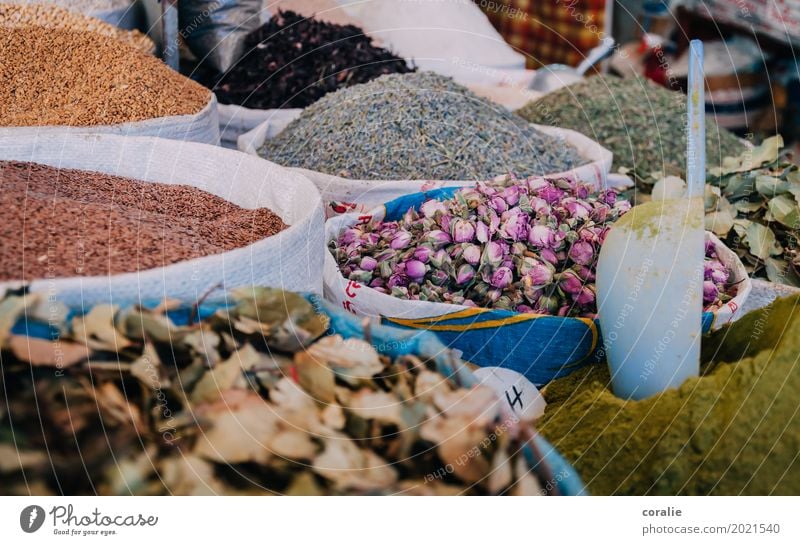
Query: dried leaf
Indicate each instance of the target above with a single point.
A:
(761, 241)
(352, 360)
(382, 406)
(785, 210)
(225, 374)
(239, 435)
(293, 444)
(35, 351)
(11, 308)
(316, 377)
(720, 222)
(148, 370)
(13, 459)
(97, 330)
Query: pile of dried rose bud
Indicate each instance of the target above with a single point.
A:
(520, 245)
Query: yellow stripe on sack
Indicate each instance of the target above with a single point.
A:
(432, 323)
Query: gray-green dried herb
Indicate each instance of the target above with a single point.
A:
(416, 126)
(642, 123)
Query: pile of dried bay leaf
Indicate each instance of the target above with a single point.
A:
(752, 204)
(251, 399)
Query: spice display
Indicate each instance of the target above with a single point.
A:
(752, 204)
(46, 80)
(419, 126)
(20, 16)
(250, 400)
(60, 222)
(526, 246)
(642, 123)
(292, 61)
(734, 430)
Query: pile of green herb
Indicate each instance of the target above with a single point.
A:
(419, 126)
(642, 123)
(752, 204)
(734, 430)
(250, 400)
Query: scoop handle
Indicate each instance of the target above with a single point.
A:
(696, 119)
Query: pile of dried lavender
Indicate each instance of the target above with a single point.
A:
(526, 246)
(419, 126)
(292, 61)
(250, 400)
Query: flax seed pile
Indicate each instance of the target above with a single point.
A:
(52, 17)
(59, 77)
(59, 223)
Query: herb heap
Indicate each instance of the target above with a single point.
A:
(526, 246)
(60, 77)
(250, 400)
(642, 123)
(734, 430)
(752, 204)
(292, 61)
(419, 126)
(62, 222)
(20, 16)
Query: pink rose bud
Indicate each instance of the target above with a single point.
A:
(415, 269)
(540, 236)
(710, 292)
(548, 255)
(540, 274)
(472, 254)
(570, 282)
(368, 263)
(511, 195)
(462, 230)
(437, 238)
(502, 278)
(400, 240)
(430, 208)
(350, 236)
(423, 253)
(465, 274)
(582, 253)
(586, 296)
(482, 232)
(498, 204)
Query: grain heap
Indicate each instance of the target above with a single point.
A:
(61, 223)
(642, 123)
(416, 126)
(292, 61)
(59, 77)
(20, 16)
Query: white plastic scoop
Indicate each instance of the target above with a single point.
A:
(650, 275)
(554, 76)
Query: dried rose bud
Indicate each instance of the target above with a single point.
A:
(415, 269)
(502, 278)
(710, 292)
(582, 253)
(423, 253)
(569, 282)
(465, 274)
(437, 238)
(482, 232)
(368, 263)
(472, 254)
(401, 240)
(462, 230)
(430, 208)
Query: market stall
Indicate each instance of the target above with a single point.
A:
(340, 248)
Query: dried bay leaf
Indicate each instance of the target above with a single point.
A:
(47, 353)
(761, 241)
(785, 210)
(98, 331)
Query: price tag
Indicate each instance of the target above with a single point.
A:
(516, 392)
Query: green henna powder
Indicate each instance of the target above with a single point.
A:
(733, 430)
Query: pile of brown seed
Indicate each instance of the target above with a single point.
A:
(60, 77)
(59, 223)
(19, 16)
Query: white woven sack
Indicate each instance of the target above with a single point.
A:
(202, 127)
(292, 259)
(342, 194)
(235, 121)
